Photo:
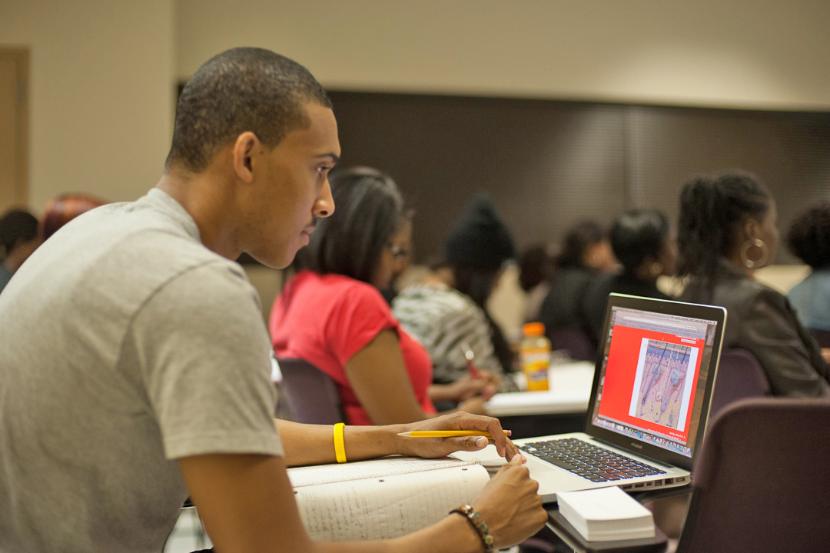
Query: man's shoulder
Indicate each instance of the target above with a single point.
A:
(153, 252)
(118, 256)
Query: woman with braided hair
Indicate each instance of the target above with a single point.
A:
(726, 232)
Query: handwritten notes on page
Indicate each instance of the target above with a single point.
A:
(383, 498)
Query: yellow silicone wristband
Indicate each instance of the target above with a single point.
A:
(339, 442)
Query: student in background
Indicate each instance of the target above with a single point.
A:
(447, 311)
(809, 240)
(331, 312)
(19, 238)
(536, 266)
(642, 243)
(136, 368)
(727, 231)
(64, 208)
(586, 253)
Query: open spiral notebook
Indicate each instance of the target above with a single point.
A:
(382, 498)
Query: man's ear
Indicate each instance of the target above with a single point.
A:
(245, 149)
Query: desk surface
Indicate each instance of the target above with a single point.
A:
(570, 390)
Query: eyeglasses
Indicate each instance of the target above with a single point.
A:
(398, 252)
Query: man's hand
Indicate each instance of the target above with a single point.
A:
(510, 504)
(440, 447)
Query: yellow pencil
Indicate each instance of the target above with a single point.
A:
(447, 433)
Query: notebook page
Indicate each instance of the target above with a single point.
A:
(322, 474)
(389, 505)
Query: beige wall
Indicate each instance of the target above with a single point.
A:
(102, 72)
(101, 94)
(738, 53)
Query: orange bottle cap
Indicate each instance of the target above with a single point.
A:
(533, 329)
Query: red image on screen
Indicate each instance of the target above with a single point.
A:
(627, 348)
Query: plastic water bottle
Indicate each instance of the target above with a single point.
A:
(534, 353)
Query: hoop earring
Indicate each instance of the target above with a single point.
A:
(750, 263)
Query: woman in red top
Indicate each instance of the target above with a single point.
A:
(332, 314)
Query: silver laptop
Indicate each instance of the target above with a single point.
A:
(649, 403)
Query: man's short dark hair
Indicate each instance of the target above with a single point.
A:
(239, 90)
(809, 236)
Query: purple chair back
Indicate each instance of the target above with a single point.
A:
(310, 394)
(740, 376)
(762, 483)
(573, 341)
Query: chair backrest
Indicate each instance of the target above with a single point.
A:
(573, 341)
(740, 376)
(311, 395)
(762, 483)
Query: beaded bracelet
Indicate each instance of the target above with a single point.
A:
(474, 518)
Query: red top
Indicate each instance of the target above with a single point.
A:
(327, 319)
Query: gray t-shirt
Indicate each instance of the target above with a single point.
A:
(125, 344)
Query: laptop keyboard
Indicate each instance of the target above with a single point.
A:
(589, 461)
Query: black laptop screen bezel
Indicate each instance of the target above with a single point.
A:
(691, 310)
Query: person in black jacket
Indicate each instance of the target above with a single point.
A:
(727, 230)
(586, 254)
(644, 247)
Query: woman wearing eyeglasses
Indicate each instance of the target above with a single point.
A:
(727, 231)
(331, 312)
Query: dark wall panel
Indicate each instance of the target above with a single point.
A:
(548, 164)
(788, 151)
(545, 165)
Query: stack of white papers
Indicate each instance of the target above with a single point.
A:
(606, 514)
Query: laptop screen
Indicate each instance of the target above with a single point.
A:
(653, 378)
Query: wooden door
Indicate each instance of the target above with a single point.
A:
(14, 127)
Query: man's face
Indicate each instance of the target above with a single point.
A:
(291, 190)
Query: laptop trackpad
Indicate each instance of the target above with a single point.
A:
(553, 479)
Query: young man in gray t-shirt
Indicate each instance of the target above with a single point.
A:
(134, 365)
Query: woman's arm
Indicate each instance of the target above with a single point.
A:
(308, 444)
(313, 444)
(378, 376)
